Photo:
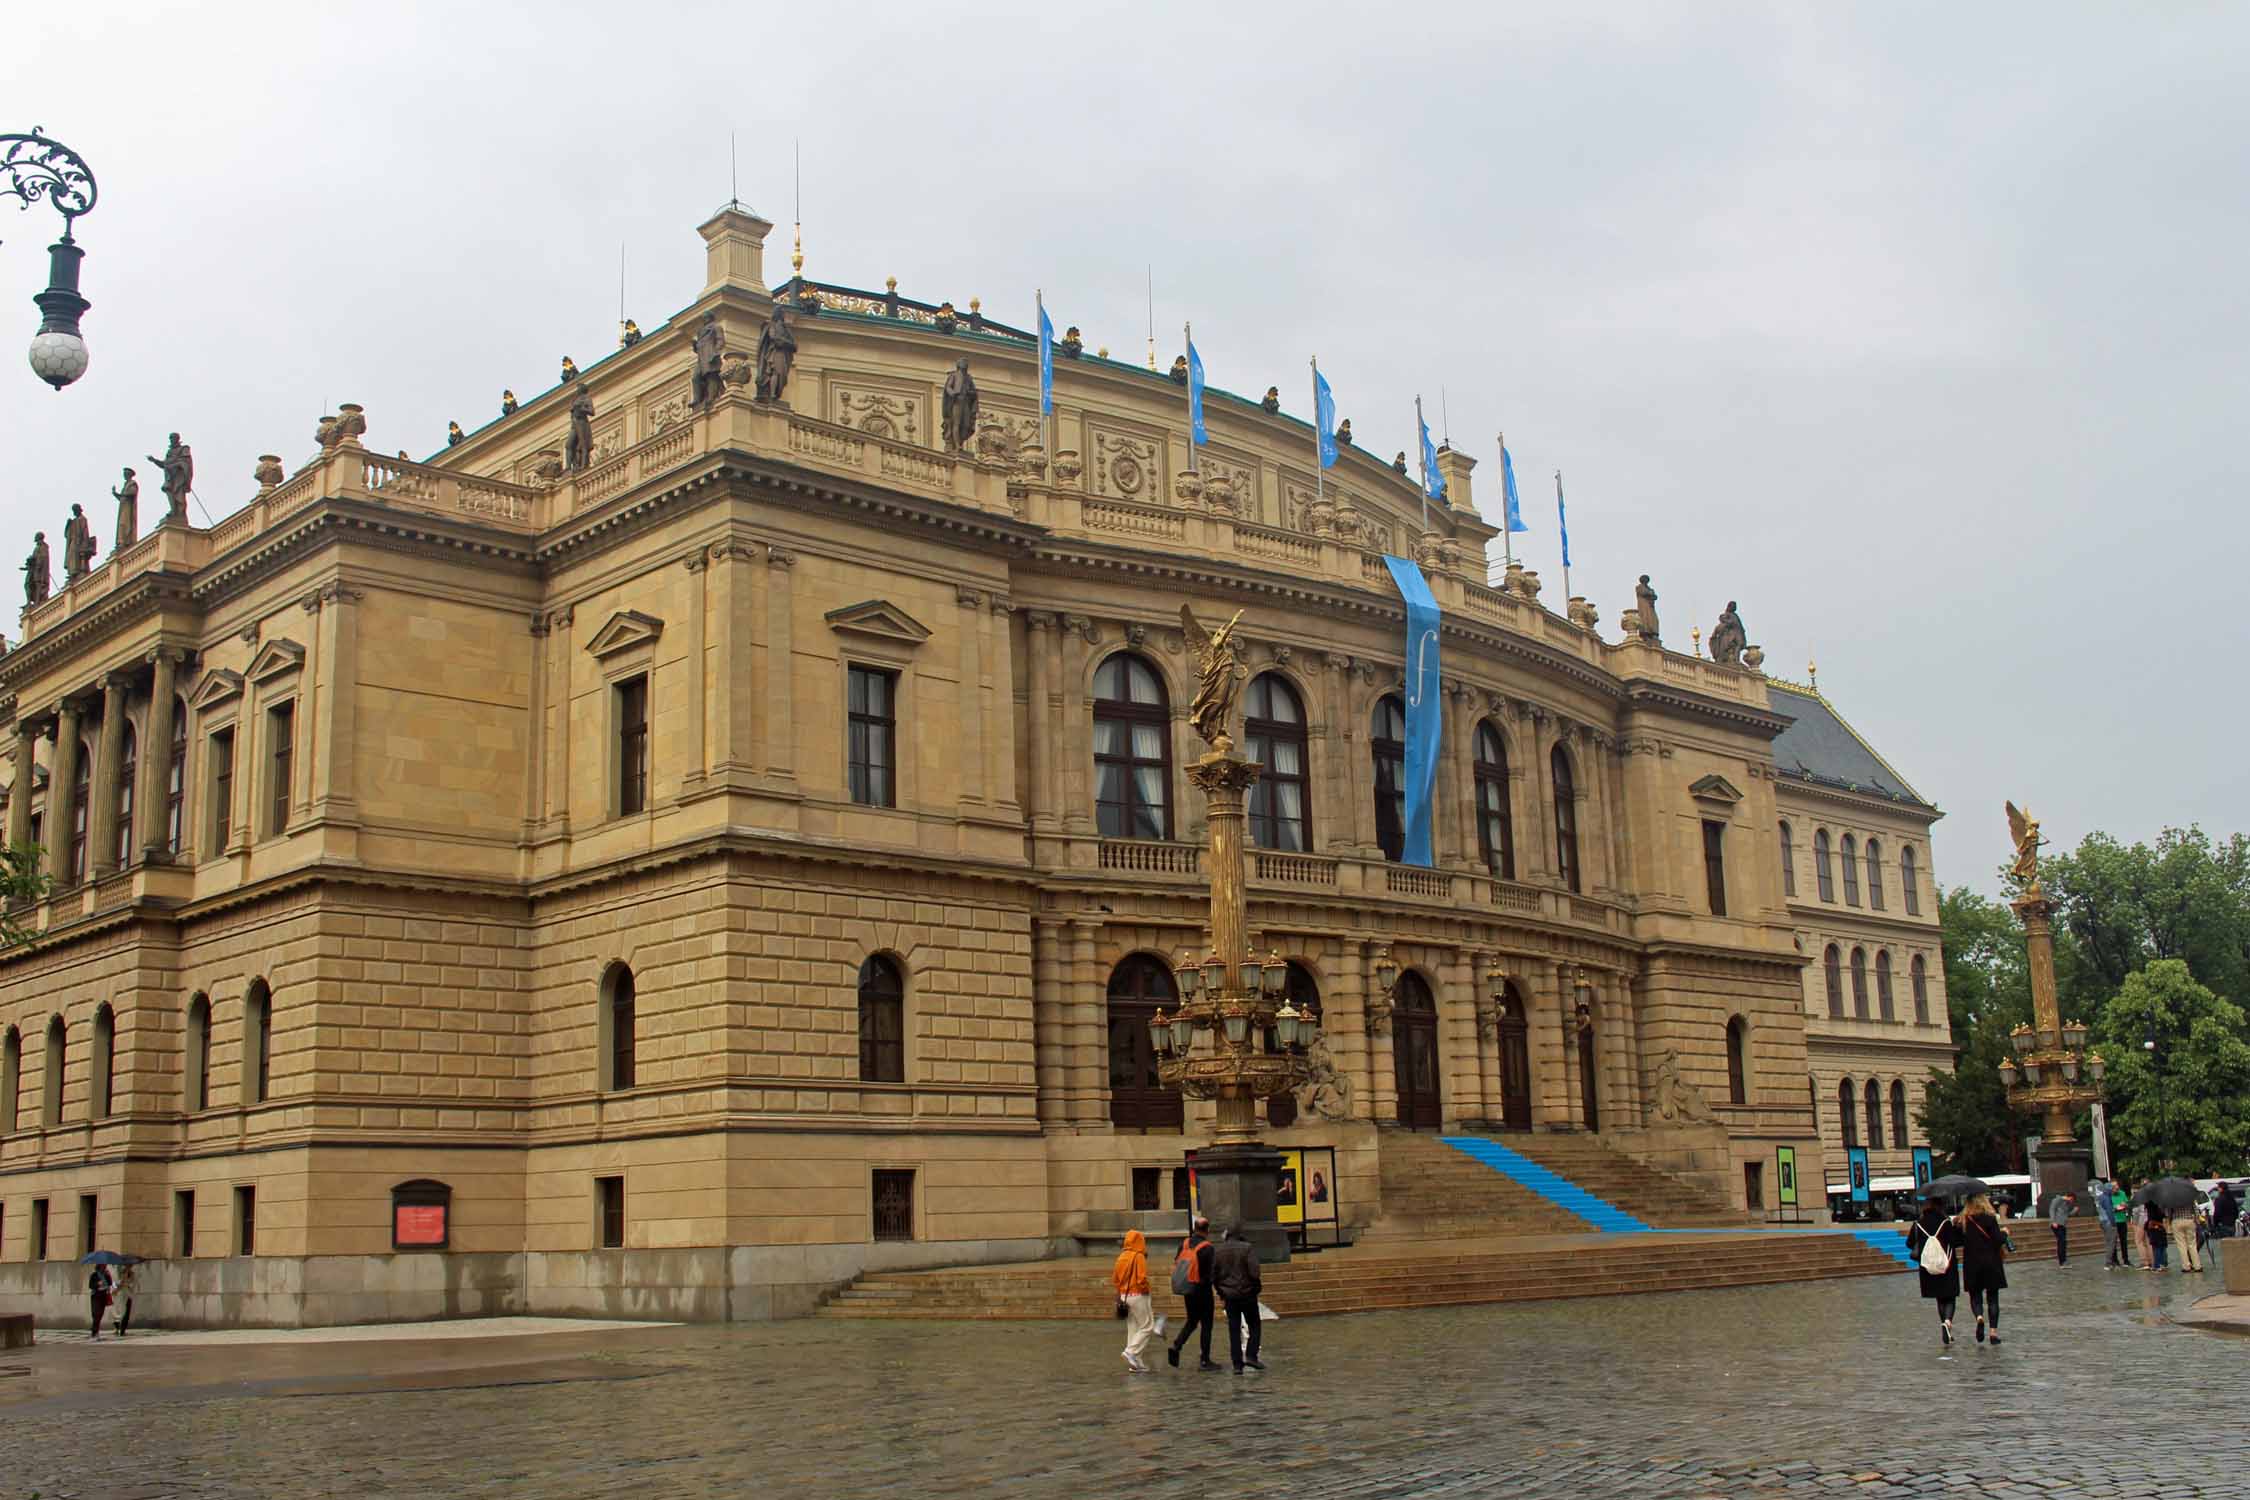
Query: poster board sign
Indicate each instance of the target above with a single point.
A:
(1785, 1176)
(1289, 1201)
(1320, 1184)
(1925, 1168)
(1857, 1155)
(418, 1225)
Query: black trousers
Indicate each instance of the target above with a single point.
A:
(1239, 1308)
(1985, 1303)
(2062, 1244)
(98, 1302)
(1945, 1306)
(1201, 1306)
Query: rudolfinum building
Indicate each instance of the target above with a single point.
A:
(720, 827)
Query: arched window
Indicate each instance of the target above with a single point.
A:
(1875, 874)
(1788, 863)
(80, 781)
(257, 1041)
(1921, 976)
(121, 852)
(11, 1078)
(175, 780)
(50, 1101)
(1883, 1004)
(1898, 1114)
(1851, 871)
(1874, 1114)
(1387, 742)
(1909, 881)
(1132, 750)
(1832, 968)
(1859, 983)
(616, 1023)
(882, 1021)
(103, 1081)
(1273, 729)
(1496, 823)
(1823, 875)
(1139, 987)
(1566, 820)
(1848, 1102)
(1738, 1061)
(196, 1085)
(1304, 993)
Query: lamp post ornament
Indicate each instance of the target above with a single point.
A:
(34, 168)
(2058, 1075)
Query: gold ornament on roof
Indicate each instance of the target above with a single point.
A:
(1218, 678)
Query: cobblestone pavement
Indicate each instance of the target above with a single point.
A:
(1828, 1388)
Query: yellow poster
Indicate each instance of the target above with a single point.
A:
(1289, 1203)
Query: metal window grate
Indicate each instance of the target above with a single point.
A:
(1147, 1183)
(894, 1205)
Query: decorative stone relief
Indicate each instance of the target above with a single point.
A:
(665, 407)
(885, 414)
(1007, 437)
(1125, 467)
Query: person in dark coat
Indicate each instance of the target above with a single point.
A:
(1234, 1273)
(1202, 1302)
(1984, 1263)
(1937, 1224)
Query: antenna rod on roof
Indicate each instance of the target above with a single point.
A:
(734, 177)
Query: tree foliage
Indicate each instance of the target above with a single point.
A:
(22, 884)
(1965, 1115)
(2187, 1100)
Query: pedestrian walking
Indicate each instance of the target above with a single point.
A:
(2153, 1227)
(1984, 1264)
(1234, 1273)
(2121, 1216)
(2097, 1200)
(2058, 1219)
(98, 1288)
(2184, 1226)
(122, 1299)
(1191, 1278)
(1943, 1288)
(2226, 1212)
(1130, 1277)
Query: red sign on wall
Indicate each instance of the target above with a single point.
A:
(419, 1224)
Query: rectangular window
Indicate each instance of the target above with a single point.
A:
(1754, 1186)
(222, 789)
(872, 732)
(246, 1221)
(281, 735)
(88, 1207)
(183, 1223)
(1147, 1183)
(1183, 1188)
(894, 1205)
(175, 787)
(38, 1247)
(1715, 866)
(609, 1211)
(38, 830)
(632, 745)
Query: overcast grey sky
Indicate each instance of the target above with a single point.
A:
(1918, 329)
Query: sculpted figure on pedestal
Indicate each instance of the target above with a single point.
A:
(1728, 638)
(1676, 1098)
(78, 545)
(1218, 674)
(178, 466)
(710, 358)
(1645, 598)
(777, 351)
(38, 576)
(958, 413)
(578, 448)
(1327, 1095)
(128, 498)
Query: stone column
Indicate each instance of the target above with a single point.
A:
(1048, 1031)
(997, 700)
(698, 565)
(558, 718)
(109, 770)
(969, 685)
(155, 794)
(62, 776)
(1445, 794)
(1039, 717)
(1488, 1040)
(1382, 1064)
(734, 698)
(1086, 1003)
(19, 795)
(781, 655)
(535, 779)
(331, 792)
(1540, 770)
(1335, 812)
(1074, 735)
(1460, 1055)
(1566, 989)
(1594, 848)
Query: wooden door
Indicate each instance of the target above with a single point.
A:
(1515, 1068)
(1588, 1098)
(1415, 1055)
(1138, 1099)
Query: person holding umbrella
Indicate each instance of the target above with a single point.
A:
(2175, 1197)
(1984, 1263)
(101, 1286)
(1942, 1287)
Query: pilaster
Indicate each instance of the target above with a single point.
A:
(969, 687)
(62, 777)
(781, 658)
(109, 770)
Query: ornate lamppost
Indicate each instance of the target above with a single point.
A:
(33, 167)
(1213, 1045)
(2052, 1074)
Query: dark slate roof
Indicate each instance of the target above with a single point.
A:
(1821, 748)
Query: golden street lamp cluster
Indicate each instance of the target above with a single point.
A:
(1235, 1003)
(2052, 1074)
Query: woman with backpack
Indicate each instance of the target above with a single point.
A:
(1191, 1279)
(1984, 1263)
(1935, 1241)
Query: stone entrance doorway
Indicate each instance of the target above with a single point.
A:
(1588, 1102)
(1414, 1053)
(1515, 1064)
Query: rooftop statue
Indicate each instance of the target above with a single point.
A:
(630, 336)
(710, 356)
(507, 403)
(128, 498)
(78, 545)
(38, 575)
(1645, 598)
(179, 476)
(959, 413)
(569, 369)
(1728, 638)
(453, 433)
(1272, 400)
(1218, 678)
(777, 352)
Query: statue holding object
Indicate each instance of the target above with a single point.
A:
(78, 546)
(959, 411)
(38, 574)
(1218, 678)
(1728, 638)
(710, 353)
(777, 352)
(178, 465)
(128, 498)
(578, 448)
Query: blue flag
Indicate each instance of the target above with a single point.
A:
(1324, 418)
(1562, 521)
(1433, 480)
(1423, 720)
(1195, 394)
(1508, 488)
(1046, 363)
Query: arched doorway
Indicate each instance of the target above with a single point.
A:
(1304, 994)
(1515, 1062)
(1414, 1054)
(1138, 1100)
(1589, 1096)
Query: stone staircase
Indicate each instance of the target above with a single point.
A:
(1374, 1277)
(1431, 1191)
(1656, 1198)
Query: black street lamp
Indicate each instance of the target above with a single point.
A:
(33, 167)
(2163, 1105)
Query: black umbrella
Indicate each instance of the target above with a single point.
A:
(108, 1258)
(2168, 1193)
(1955, 1186)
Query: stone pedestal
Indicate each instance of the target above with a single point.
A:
(2234, 1265)
(1238, 1183)
(2064, 1169)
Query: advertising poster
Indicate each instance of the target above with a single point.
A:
(1924, 1167)
(1785, 1175)
(419, 1224)
(1320, 1184)
(1858, 1157)
(1289, 1203)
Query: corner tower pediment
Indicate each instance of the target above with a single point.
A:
(1715, 788)
(881, 619)
(218, 686)
(275, 658)
(626, 629)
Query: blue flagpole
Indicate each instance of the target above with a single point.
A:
(1507, 534)
(1421, 431)
(1562, 524)
(1187, 333)
(1319, 470)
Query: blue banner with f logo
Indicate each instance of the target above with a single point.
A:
(1195, 394)
(1046, 362)
(1423, 721)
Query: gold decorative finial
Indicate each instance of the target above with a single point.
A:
(1812, 672)
(890, 283)
(797, 256)
(976, 304)
(1696, 631)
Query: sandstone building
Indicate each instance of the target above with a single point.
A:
(669, 867)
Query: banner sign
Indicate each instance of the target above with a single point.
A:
(1857, 1155)
(1785, 1175)
(1423, 715)
(1925, 1168)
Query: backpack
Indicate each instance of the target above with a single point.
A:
(1186, 1270)
(1936, 1259)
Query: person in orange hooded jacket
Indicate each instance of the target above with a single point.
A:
(1130, 1277)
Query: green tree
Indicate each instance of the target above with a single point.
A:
(2124, 907)
(1965, 1115)
(22, 884)
(2188, 1099)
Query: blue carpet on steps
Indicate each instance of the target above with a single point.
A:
(1552, 1186)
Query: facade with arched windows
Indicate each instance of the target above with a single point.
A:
(1868, 926)
(763, 850)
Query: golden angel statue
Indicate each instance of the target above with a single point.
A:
(1218, 672)
(2024, 829)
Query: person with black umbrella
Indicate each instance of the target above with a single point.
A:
(1984, 1264)
(1942, 1287)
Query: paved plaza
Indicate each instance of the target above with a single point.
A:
(1826, 1388)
